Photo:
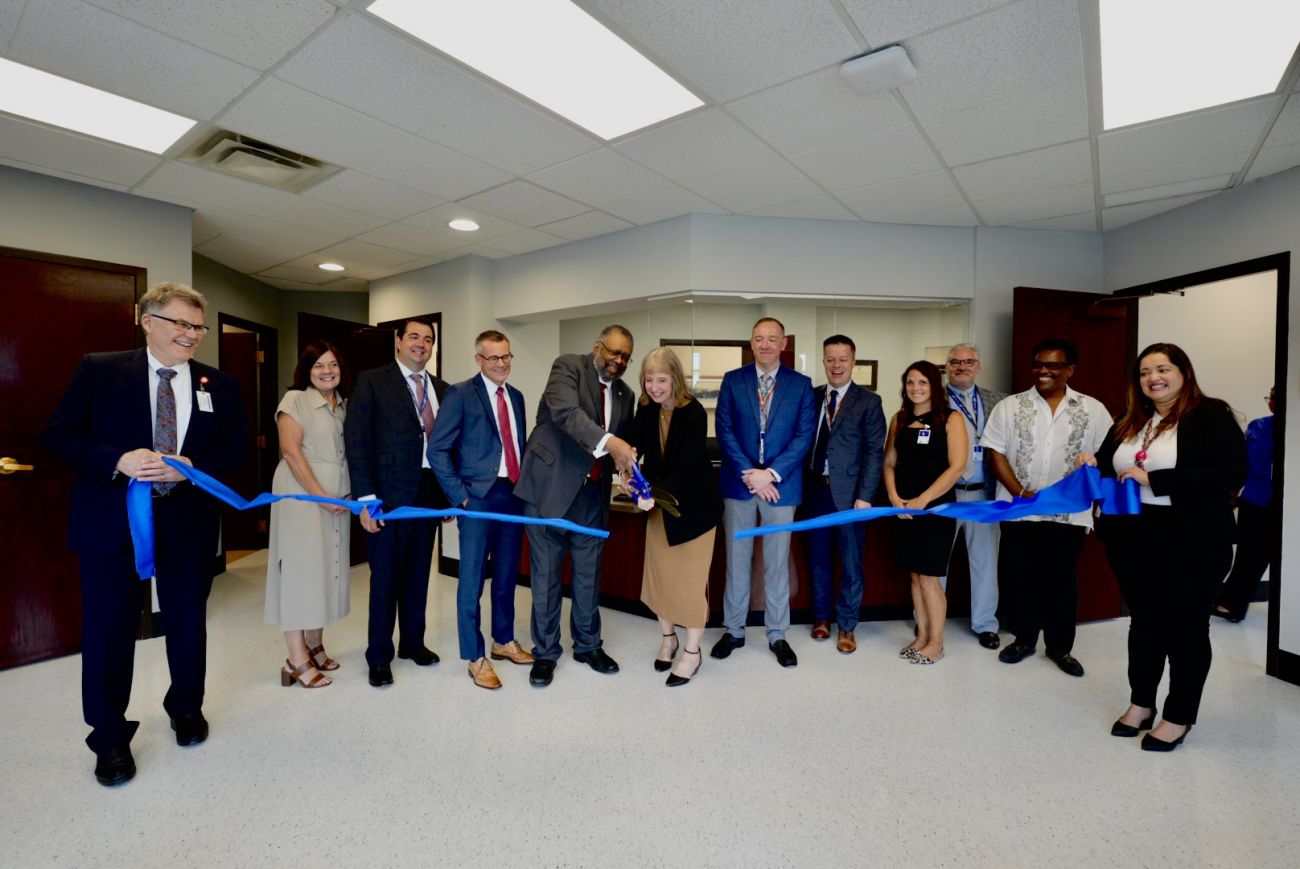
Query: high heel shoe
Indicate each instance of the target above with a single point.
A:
(1151, 743)
(290, 674)
(1119, 728)
(674, 680)
(322, 661)
(660, 664)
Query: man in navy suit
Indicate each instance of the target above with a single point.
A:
(122, 413)
(843, 473)
(765, 424)
(475, 452)
(390, 417)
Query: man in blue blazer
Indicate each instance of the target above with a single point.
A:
(122, 413)
(475, 452)
(765, 424)
(843, 474)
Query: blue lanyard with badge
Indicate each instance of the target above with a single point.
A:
(956, 400)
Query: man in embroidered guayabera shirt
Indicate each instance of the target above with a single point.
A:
(1035, 438)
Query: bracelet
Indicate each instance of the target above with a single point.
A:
(1022, 492)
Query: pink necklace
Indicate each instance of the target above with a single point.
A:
(1148, 435)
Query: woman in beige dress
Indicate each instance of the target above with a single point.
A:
(669, 434)
(307, 567)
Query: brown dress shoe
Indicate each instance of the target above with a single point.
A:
(821, 630)
(483, 675)
(846, 643)
(512, 652)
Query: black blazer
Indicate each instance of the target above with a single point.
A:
(384, 438)
(683, 469)
(104, 413)
(1211, 467)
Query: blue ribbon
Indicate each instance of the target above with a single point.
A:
(1074, 493)
(139, 511)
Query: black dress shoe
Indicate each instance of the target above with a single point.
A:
(542, 673)
(784, 654)
(675, 681)
(726, 645)
(1150, 743)
(422, 656)
(1068, 663)
(1119, 728)
(381, 675)
(989, 639)
(114, 767)
(597, 660)
(190, 729)
(1226, 616)
(1015, 653)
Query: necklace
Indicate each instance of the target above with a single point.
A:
(1148, 435)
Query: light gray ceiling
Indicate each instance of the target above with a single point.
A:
(1001, 128)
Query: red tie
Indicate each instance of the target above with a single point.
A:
(507, 436)
(599, 464)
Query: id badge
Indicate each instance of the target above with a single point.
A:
(978, 451)
(205, 401)
(923, 437)
(762, 448)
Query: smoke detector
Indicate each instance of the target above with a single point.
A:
(242, 157)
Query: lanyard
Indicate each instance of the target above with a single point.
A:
(826, 408)
(763, 399)
(961, 405)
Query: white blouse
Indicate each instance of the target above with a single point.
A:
(1162, 454)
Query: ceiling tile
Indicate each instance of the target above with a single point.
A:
(525, 204)
(54, 149)
(625, 12)
(699, 145)
(252, 32)
(817, 208)
(311, 214)
(127, 59)
(10, 11)
(1033, 204)
(292, 286)
(1213, 142)
(894, 199)
(191, 186)
(437, 219)
(1037, 170)
(362, 260)
(295, 240)
(347, 285)
(661, 205)
(488, 251)
(1085, 222)
(315, 277)
(769, 181)
(1017, 122)
(371, 195)
(948, 215)
(241, 254)
(526, 241)
(817, 110)
(535, 139)
(288, 116)
(1282, 147)
(886, 21)
(433, 169)
(413, 239)
(587, 225)
(201, 229)
(371, 69)
(871, 159)
(729, 48)
(601, 178)
(1122, 215)
(58, 173)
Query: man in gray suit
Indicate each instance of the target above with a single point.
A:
(566, 474)
(977, 483)
(843, 473)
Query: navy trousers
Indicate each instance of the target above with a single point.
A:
(823, 543)
(488, 546)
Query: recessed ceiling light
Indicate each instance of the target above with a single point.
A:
(551, 52)
(1166, 57)
(463, 224)
(330, 267)
(50, 99)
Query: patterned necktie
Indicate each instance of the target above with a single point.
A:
(598, 465)
(164, 424)
(507, 436)
(426, 407)
(824, 436)
(766, 384)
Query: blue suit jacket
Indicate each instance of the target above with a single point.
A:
(465, 448)
(791, 424)
(856, 449)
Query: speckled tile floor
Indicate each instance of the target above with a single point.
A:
(857, 760)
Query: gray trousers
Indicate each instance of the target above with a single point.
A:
(739, 515)
(982, 549)
(546, 547)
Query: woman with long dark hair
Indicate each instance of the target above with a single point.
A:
(307, 566)
(1187, 453)
(925, 455)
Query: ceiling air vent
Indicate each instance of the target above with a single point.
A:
(251, 160)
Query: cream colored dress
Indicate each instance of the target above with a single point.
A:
(307, 567)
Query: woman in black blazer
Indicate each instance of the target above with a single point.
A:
(669, 435)
(1187, 453)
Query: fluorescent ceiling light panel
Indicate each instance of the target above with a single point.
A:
(1166, 57)
(59, 102)
(551, 52)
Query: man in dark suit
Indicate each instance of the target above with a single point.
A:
(390, 418)
(765, 424)
(475, 452)
(843, 473)
(122, 413)
(566, 474)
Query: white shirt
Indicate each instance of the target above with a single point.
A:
(1042, 446)
(1162, 454)
(974, 472)
(181, 388)
(496, 421)
(608, 393)
(760, 372)
(431, 397)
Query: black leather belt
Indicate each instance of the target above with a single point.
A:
(505, 480)
(823, 479)
(969, 487)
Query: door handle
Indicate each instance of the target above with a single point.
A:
(8, 465)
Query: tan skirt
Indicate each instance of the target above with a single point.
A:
(675, 581)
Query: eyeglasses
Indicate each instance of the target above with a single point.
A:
(616, 354)
(963, 363)
(496, 360)
(1050, 366)
(183, 325)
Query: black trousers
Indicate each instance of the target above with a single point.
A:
(1038, 563)
(1255, 534)
(401, 556)
(1168, 580)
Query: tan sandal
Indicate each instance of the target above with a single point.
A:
(290, 674)
(322, 661)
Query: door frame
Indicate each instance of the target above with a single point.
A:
(266, 438)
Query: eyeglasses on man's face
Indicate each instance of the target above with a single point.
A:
(963, 363)
(496, 360)
(183, 325)
(620, 355)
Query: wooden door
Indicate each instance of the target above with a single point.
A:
(1104, 328)
(247, 352)
(56, 309)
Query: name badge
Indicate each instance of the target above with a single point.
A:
(978, 451)
(923, 436)
(205, 401)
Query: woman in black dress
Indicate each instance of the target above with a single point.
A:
(925, 455)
